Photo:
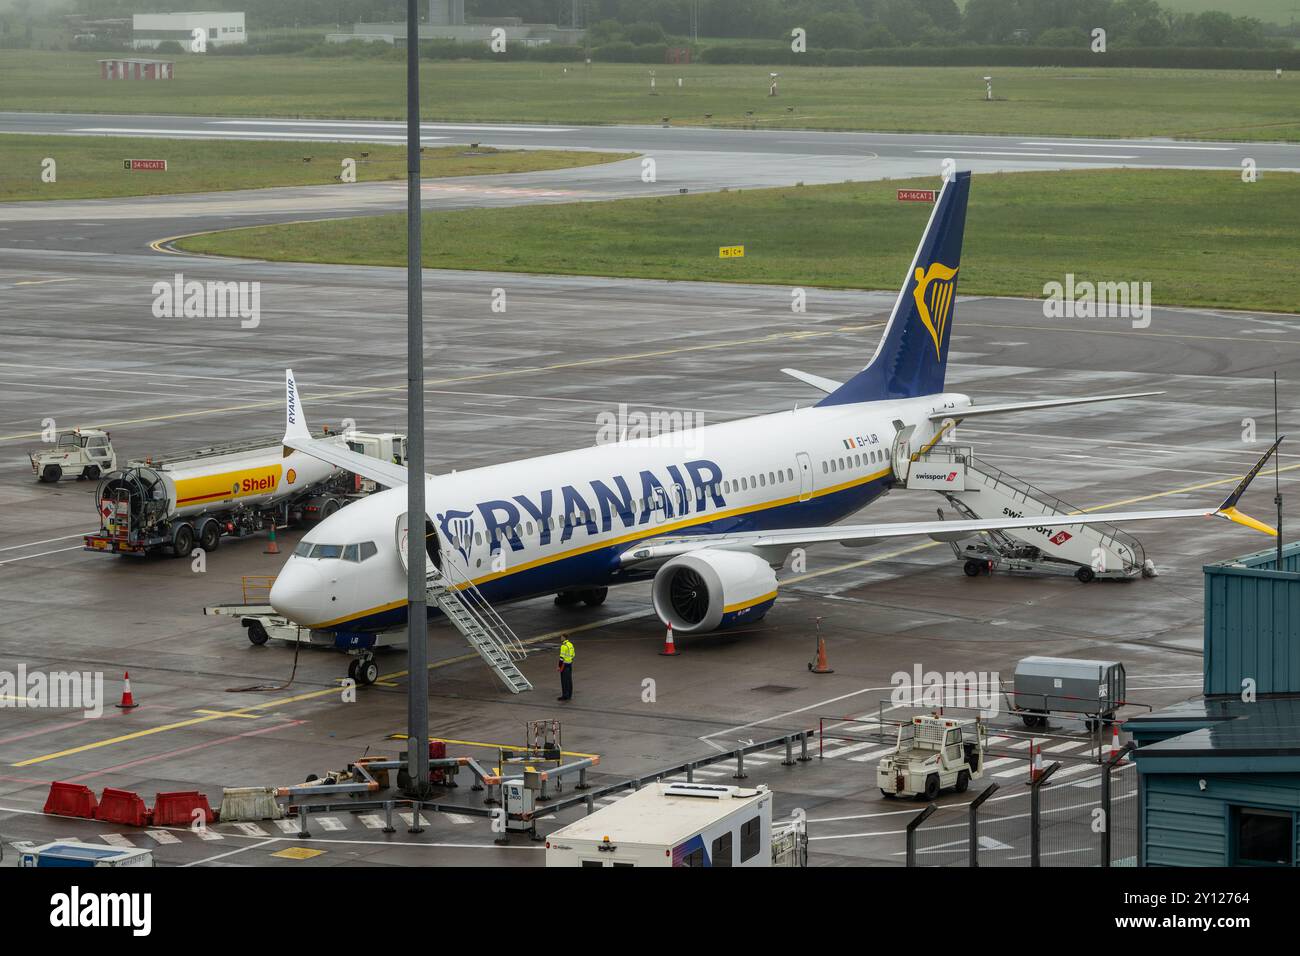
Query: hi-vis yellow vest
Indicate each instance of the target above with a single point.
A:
(567, 652)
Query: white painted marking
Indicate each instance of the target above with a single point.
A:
(371, 821)
(1007, 152)
(162, 836)
(333, 824)
(1132, 145)
(1002, 762)
(852, 748)
(251, 134)
(341, 124)
(204, 833)
(874, 755)
(250, 829)
(1067, 746)
(116, 839)
(245, 849)
(288, 826)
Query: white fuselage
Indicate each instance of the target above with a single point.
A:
(559, 522)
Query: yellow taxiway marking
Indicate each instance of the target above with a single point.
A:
(483, 376)
(228, 713)
(45, 281)
(308, 695)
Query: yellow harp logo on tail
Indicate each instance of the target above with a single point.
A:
(933, 294)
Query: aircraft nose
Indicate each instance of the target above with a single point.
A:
(298, 592)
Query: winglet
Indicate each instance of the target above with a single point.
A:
(1229, 507)
(295, 419)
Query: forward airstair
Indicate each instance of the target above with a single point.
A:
(976, 489)
(471, 614)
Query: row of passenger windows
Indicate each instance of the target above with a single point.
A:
(640, 505)
(851, 462)
(355, 553)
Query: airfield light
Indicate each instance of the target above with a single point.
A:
(988, 88)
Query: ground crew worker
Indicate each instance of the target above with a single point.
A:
(566, 669)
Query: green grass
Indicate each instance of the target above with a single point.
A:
(1199, 238)
(90, 167)
(1032, 100)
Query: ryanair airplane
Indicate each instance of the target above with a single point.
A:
(707, 514)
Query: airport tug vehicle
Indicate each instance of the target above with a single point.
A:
(78, 453)
(933, 753)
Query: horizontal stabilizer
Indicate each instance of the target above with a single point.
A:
(826, 385)
(1008, 407)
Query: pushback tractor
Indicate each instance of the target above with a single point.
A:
(933, 754)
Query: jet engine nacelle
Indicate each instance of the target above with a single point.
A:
(710, 589)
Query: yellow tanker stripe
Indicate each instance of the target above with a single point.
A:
(744, 604)
(227, 484)
(634, 536)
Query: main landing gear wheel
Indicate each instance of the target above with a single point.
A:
(1085, 575)
(567, 598)
(594, 597)
(363, 670)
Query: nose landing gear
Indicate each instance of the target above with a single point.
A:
(363, 668)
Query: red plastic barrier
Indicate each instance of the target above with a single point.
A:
(437, 751)
(71, 800)
(177, 809)
(122, 806)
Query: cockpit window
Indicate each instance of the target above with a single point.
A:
(356, 553)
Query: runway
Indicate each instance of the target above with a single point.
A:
(685, 158)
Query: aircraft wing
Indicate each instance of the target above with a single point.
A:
(775, 544)
(975, 410)
(819, 382)
(332, 450)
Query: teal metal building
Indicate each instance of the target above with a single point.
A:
(1220, 775)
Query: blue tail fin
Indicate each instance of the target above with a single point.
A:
(913, 352)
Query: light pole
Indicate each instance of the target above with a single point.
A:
(417, 651)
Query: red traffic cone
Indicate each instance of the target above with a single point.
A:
(1036, 764)
(128, 701)
(821, 667)
(1114, 741)
(271, 546)
(670, 647)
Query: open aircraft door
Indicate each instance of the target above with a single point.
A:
(901, 454)
(433, 542)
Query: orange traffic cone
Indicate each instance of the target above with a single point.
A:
(128, 701)
(821, 667)
(271, 546)
(670, 648)
(1036, 764)
(1114, 741)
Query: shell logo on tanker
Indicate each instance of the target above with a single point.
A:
(291, 476)
(253, 485)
